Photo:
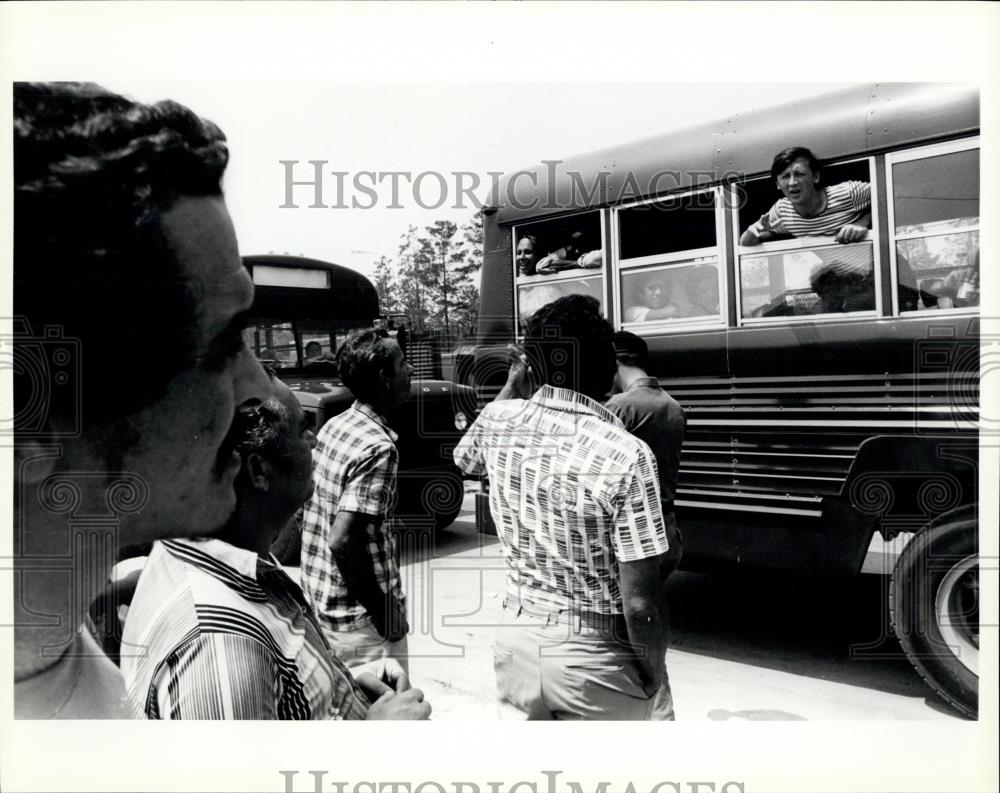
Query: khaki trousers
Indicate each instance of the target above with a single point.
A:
(552, 670)
(366, 644)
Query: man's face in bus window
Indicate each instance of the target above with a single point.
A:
(184, 450)
(798, 183)
(654, 295)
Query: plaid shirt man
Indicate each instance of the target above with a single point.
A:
(217, 632)
(571, 493)
(355, 471)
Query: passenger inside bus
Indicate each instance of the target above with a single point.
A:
(577, 252)
(652, 300)
(314, 350)
(527, 253)
(806, 209)
(680, 292)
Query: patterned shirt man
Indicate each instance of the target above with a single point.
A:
(217, 632)
(572, 493)
(355, 471)
(846, 203)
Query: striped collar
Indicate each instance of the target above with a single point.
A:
(368, 412)
(222, 560)
(568, 400)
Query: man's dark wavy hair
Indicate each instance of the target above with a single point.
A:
(786, 157)
(363, 356)
(631, 350)
(568, 343)
(93, 173)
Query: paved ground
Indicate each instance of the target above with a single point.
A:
(743, 648)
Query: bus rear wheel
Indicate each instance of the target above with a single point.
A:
(934, 604)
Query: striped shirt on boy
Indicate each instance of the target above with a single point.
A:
(846, 203)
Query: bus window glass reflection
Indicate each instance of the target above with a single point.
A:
(533, 296)
(838, 279)
(935, 205)
(676, 292)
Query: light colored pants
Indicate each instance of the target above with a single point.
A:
(565, 671)
(663, 702)
(366, 644)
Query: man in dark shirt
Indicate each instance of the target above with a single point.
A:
(651, 414)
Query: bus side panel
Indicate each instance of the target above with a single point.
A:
(496, 311)
(796, 439)
(496, 307)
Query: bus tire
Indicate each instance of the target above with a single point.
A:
(934, 606)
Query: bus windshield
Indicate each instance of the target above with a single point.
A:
(304, 309)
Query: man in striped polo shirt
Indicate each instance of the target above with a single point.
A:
(842, 211)
(217, 630)
(576, 501)
(350, 572)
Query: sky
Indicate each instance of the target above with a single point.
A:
(416, 127)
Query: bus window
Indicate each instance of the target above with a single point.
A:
(935, 219)
(315, 342)
(828, 280)
(669, 264)
(532, 297)
(680, 291)
(272, 342)
(757, 196)
(669, 226)
(555, 258)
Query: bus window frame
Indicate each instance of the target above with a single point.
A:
(563, 276)
(677, 324)
(805, 243)
(911, 155)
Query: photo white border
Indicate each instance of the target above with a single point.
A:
(590, 42)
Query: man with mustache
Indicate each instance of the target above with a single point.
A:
(217, 630)
(129, 364)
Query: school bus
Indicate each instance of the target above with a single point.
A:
(817, 417)
(303, 310)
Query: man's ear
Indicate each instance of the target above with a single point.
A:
(258, 472)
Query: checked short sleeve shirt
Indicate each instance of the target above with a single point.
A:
(355, 464)
(572, 494)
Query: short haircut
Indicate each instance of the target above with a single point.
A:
(569, 344)
(631, 350)
(362, 358)
(93, 174)
(262, 429)
(785, 158)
